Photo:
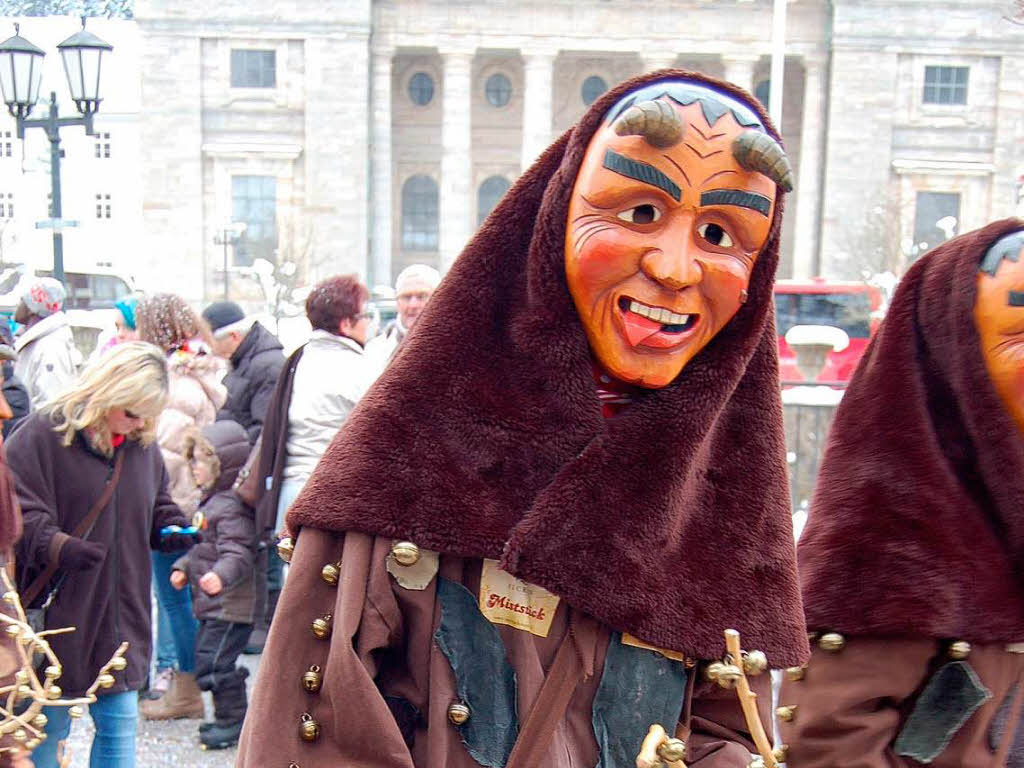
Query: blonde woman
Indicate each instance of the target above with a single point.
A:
(62, 459)
(195, 393)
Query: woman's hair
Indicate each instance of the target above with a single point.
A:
(132, 375)
(166, 320)
(333, 300)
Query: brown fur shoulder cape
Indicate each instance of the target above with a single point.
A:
(485, 438)
(917, 523)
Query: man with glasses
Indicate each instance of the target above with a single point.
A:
(413, 289)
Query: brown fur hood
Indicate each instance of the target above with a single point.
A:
(917, 523)
(485, 438)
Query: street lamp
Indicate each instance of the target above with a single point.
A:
(228, 235)
(21, 71)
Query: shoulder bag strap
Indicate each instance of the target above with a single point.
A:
(82, 530)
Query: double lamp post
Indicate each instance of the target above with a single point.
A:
(21, 73)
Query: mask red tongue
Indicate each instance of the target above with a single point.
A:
(639, 328)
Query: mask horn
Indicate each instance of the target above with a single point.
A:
(657, 121)
(759, 152)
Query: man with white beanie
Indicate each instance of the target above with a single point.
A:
(413, 288)
(47, 357)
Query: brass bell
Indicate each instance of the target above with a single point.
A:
(330, 574)
(54, 692)
(458, 713)
(20, 734)
(672, 750)
(21, 677)
(32, 744)
(285, 547)
(10, 596)
(755, 662)
(726, 675)
(54, 671)
(76, 711)
(312, 679)
(795, 674)
(405, 553)
(106, 680)
(781, 752)
(13, 630)
(309, 729)
(119, 664)
(24, 692)
(959, 650)
(757, 762)
(786, 714)
(40, 720)
(322, 627)
(832, 642)
(713, 670)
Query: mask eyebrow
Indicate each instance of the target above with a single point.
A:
(634, 169)
(1016, 299)
(751, 200)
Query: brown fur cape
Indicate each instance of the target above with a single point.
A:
(485, 438)
(917, 523)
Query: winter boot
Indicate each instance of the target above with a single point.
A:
(220, 735)
(183, 699)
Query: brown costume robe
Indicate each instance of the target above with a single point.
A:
(916, 540)
(484, 441)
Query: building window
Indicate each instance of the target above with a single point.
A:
(7, 205)
(419, 214)
(936, 219)
(490, 192)
(7, 147)
(421, 88)
(498, 89)
(253, 69)
(763, 92)
(102, 206)
(103, 145)
(945, 85)
(592, 88)
(254, 201)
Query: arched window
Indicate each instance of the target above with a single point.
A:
(498, 89)
(592, 88)
(419, 214)
(762, 92)
(421, 88)
(490, 192)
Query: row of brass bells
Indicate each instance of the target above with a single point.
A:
(285, 548)
(458, 713)
(832, 642)
(786, 713)
(672, 750)
(959, 650)
(795, 674)
(726, 675)
(331, 573)
(755, 662)
(312, 679)
(309, 729)
(405, 553)
(322, 626)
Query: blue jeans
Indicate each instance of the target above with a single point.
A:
(275, 565)
(115, 716)
(177, 605)
(166, 654)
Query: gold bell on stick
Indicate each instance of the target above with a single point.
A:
(40, 720)
(726, 675)
(322, 627)
(106, 680)
(755, 662)
(76, 711)
(285, 548)
(312, 679)
(118, 664)
(309, 729)
(53, 671)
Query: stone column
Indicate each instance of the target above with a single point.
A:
(537, 76)
(380, 160)
(456, 156)
(808, 182)
(739, 70)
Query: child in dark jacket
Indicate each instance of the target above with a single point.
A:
(226, 572)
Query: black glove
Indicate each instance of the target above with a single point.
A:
(80, 555)
(178, 542)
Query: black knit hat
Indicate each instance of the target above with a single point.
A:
(221, 314)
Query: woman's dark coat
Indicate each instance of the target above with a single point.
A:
(110, 603)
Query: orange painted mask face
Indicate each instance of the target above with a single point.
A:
(660, 244)
(999, 318)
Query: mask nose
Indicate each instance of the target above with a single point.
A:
(673, 263)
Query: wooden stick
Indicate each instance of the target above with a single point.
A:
(748, 702)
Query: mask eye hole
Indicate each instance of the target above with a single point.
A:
(641, 214)
(715, 235)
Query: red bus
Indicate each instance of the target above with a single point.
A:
(853, 307)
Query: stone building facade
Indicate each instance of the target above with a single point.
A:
(362, 136)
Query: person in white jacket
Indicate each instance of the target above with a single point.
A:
(47, 357)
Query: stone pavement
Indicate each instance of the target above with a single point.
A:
(167, 744)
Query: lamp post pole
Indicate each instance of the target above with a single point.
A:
(228, 235)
